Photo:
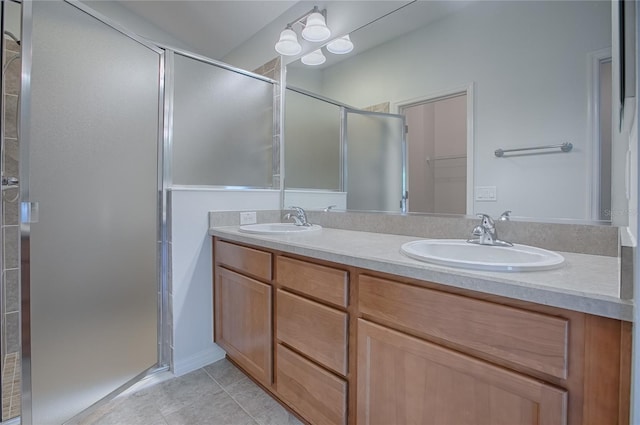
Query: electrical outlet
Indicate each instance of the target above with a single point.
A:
(486, 193)
(248, 217)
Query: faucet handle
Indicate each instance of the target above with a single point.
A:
(505, 216)
(300, 217)
(487, 221)
(478, 231)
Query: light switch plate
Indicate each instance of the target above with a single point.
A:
(248, 217)
(486, 193)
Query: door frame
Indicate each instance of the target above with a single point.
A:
(595, 58)
(469, 90)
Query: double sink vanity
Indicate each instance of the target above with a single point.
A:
(346, 327)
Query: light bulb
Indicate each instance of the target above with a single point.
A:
(288, 44)
(315, 28)
(340, 46)
(314, 58)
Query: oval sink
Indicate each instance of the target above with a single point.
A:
(277, 228)
(460, 253)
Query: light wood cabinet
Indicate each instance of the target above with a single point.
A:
(243, 314)
(319, 396)
(313, 329)
(352, 346)
(520, 337)
(324, 283)
(406, 380)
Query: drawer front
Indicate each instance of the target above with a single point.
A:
(315, 330)
(325, 283)
(319, 396)
(247, 260)
(533, 340)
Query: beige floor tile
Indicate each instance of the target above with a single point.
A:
(277, 415)
(175, 394)
(251, 397)
(127, 411)
(216, 409)
(224, 372)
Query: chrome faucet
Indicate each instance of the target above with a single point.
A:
(299, 217)
(486, 233)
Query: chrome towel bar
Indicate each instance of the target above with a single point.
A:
(564, 147)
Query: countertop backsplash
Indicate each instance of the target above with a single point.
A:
(591, 239)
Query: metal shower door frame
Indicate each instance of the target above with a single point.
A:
(28, 211)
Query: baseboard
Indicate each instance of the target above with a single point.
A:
(198, 360)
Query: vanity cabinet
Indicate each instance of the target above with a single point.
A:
(243, 307)
(436, 355)
(312, 331)
(406, 380)
(353, 346)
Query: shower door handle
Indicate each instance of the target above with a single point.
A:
(29, 212)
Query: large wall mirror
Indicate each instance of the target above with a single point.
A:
(470, 78)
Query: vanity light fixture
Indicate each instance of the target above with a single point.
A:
(314, 29)
(288, 44)
(314, 58)
(341, 45)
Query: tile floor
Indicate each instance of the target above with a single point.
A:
(216, 394)
(11, 396)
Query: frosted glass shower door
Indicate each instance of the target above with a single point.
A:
(374, 161)
(92, 167)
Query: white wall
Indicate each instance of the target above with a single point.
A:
(531, 90)
(124, 17)
(191, 289)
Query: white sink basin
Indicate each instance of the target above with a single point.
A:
(278, 228)
(460, 253)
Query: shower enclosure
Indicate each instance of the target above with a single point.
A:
(92, 230)
(108, 122)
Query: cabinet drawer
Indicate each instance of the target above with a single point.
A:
(319, 396)
(247, 260)
(525, 338)
(315, 330)
(325, 283)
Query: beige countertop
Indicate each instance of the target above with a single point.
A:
(585, 283)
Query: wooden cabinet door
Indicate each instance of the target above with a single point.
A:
(406, 380)
(243, 322)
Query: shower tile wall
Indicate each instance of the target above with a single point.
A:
(11, 365)
(10, 203)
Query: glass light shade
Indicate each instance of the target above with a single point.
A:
(314, 58)
(340, 46)
(316, 29)
(288, 43)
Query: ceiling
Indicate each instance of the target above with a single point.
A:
(220, 29)
(213, 27)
